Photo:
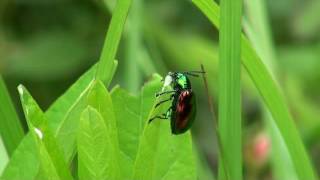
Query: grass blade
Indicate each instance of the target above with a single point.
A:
(4, 158)
(229, 125)
(10, 126)
(259, 34)
(271, 95)
(112, 40)
(133, 49)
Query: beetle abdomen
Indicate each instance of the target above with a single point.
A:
(184, 112)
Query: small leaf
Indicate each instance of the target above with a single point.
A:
(64, 114)
(95, 150)
(52, 164)
(100, 99)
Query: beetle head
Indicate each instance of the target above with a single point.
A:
(168, 80)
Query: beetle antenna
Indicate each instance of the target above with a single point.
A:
(196, 72)
(191, 74)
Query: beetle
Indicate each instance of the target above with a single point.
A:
(183, 108)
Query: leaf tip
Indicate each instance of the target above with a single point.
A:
(21, 89)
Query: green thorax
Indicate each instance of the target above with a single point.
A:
(182, 81)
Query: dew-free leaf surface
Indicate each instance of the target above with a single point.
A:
(11, 130)
(96, 153)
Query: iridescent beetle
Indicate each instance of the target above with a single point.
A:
(182, 111)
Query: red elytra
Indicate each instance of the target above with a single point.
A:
(183, 112)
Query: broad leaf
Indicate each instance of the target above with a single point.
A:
(100, 99)
(96, 154)
(126, 108)
(26, 154)
(160, 154)
(132, 112)
(52, 164)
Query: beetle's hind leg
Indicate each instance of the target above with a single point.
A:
(158, 117)
(162, 116)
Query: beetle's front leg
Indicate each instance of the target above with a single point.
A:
(165, 92)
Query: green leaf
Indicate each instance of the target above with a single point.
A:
(132, 113)
(96, 152)
(4, 158)
(63, 114)
(160, 154)
(52, 164)
(61, 106)
(26, 153)
(100, 99)
(127, 110)
(10, 126)
(271, 95)
(112, 40)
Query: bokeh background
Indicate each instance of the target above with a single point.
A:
(47, 44)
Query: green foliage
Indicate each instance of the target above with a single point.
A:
(11, 131)
(169, 156)
(96, 153)
(95, 134)
(271, 95)
(52, 163)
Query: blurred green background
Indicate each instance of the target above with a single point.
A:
(48, 44)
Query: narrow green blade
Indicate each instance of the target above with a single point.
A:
(229, 126)
(112, 40)
(10, 125)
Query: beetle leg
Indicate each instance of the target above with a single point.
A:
(163, 116)
(161, 102)
(166, 92)
(158, 117)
